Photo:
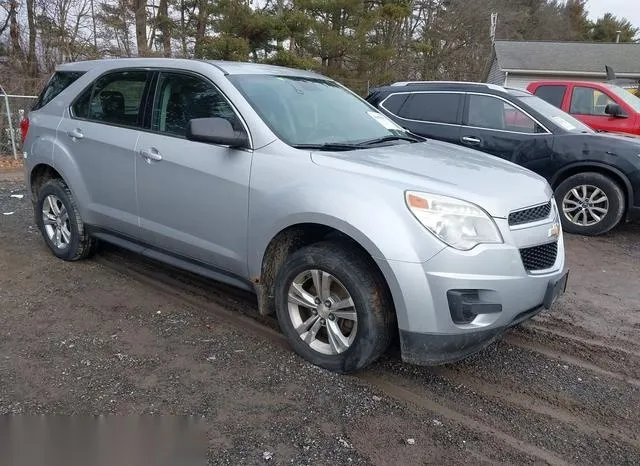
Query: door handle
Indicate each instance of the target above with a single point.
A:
(151, 154)
(471, 140)
(75, 133)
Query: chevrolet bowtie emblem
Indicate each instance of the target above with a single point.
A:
(554, 230)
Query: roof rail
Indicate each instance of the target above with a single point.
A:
(488, 85)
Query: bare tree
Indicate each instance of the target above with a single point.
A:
(14, 29)
(140, 12)
(164, 24)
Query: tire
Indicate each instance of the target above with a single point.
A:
(353, 274)
(74, 243)
(596, 186)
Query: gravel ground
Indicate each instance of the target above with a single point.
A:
(85, 338)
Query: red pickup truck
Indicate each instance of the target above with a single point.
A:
(602, 106)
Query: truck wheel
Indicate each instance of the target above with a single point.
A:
(590, 203)
(59, 222)
(333, 307)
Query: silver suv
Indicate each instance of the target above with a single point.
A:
(347, 227)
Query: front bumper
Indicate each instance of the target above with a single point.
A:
(458, 302)
(433, 348)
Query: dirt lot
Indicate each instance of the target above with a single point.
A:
(118, 334)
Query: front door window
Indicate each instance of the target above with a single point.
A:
(492, 113)
(589, 101)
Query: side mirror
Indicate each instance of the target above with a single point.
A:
(614, 110)
(216, 131)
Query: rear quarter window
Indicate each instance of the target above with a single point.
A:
(552, 94)
(56, 84)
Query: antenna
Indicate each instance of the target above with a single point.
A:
(611, 75)
(494, 23)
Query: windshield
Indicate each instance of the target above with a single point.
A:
(626, 96)
(555, 115)
(308, 111)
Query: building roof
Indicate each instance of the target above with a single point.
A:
(572, 57)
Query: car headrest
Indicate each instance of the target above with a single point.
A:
(112, 102)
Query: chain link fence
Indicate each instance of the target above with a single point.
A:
(12, 109)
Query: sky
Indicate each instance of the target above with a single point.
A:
(629, 9)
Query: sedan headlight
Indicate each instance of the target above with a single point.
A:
(459, 224)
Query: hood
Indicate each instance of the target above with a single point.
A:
(442, 168)
(615, 144)
(624, 135)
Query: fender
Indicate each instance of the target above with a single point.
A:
(396, 239)
(386, 231)
(602, 167)
(39, 152)
(64, 163)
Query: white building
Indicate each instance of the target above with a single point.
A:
(517, 63)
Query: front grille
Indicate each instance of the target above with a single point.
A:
(539, 257)
(530, 215)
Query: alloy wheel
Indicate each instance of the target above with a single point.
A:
(322, 312)
(585, 205)
(55, 218)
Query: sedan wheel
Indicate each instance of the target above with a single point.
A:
(322, 312)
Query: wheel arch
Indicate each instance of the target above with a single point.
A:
(298, 235)
(64, 167)
(39, 175)
(606, 170)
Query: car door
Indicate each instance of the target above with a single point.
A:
(430, 114)
(193, 197)
(497, 126)
(100, 135)
(588, 104)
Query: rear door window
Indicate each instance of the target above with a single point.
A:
(433, 107)
(58, 82)
(552, 94)
(116, 98)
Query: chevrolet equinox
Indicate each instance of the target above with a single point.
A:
(350, 229)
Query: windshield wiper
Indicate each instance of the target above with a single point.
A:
(329, 146)
(343, 146)
(384, 139)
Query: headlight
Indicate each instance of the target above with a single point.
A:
(459, 224)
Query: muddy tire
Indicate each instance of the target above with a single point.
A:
(590, 204)
(59, 221)
(334, 307)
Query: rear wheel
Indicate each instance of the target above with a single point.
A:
(333, 307)
(59, 222)
(590, 204)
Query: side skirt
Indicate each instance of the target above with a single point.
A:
(169, 258)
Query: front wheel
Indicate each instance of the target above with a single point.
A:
(334, 307)
(590, 204)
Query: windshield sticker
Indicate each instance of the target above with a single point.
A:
(564, 123)
(384, 121)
